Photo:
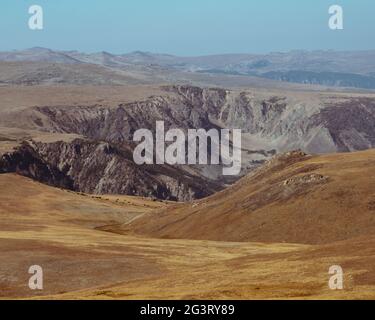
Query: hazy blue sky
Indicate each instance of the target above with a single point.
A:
(189, 27)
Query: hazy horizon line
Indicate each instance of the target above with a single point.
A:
(189, 56)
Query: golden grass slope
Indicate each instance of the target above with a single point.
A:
(295, 198)
(64, 233)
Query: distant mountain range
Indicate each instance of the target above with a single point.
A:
(328, 68)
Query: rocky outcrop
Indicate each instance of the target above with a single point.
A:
(26, 161)
(270, 124)
(103, 168)
(280, 123)
(351, 123)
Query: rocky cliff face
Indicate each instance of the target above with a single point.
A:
(26, 161)
(101, 162)
(350, 123)
(103, 168)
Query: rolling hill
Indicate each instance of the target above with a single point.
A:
(105, 247)
(294, 198)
